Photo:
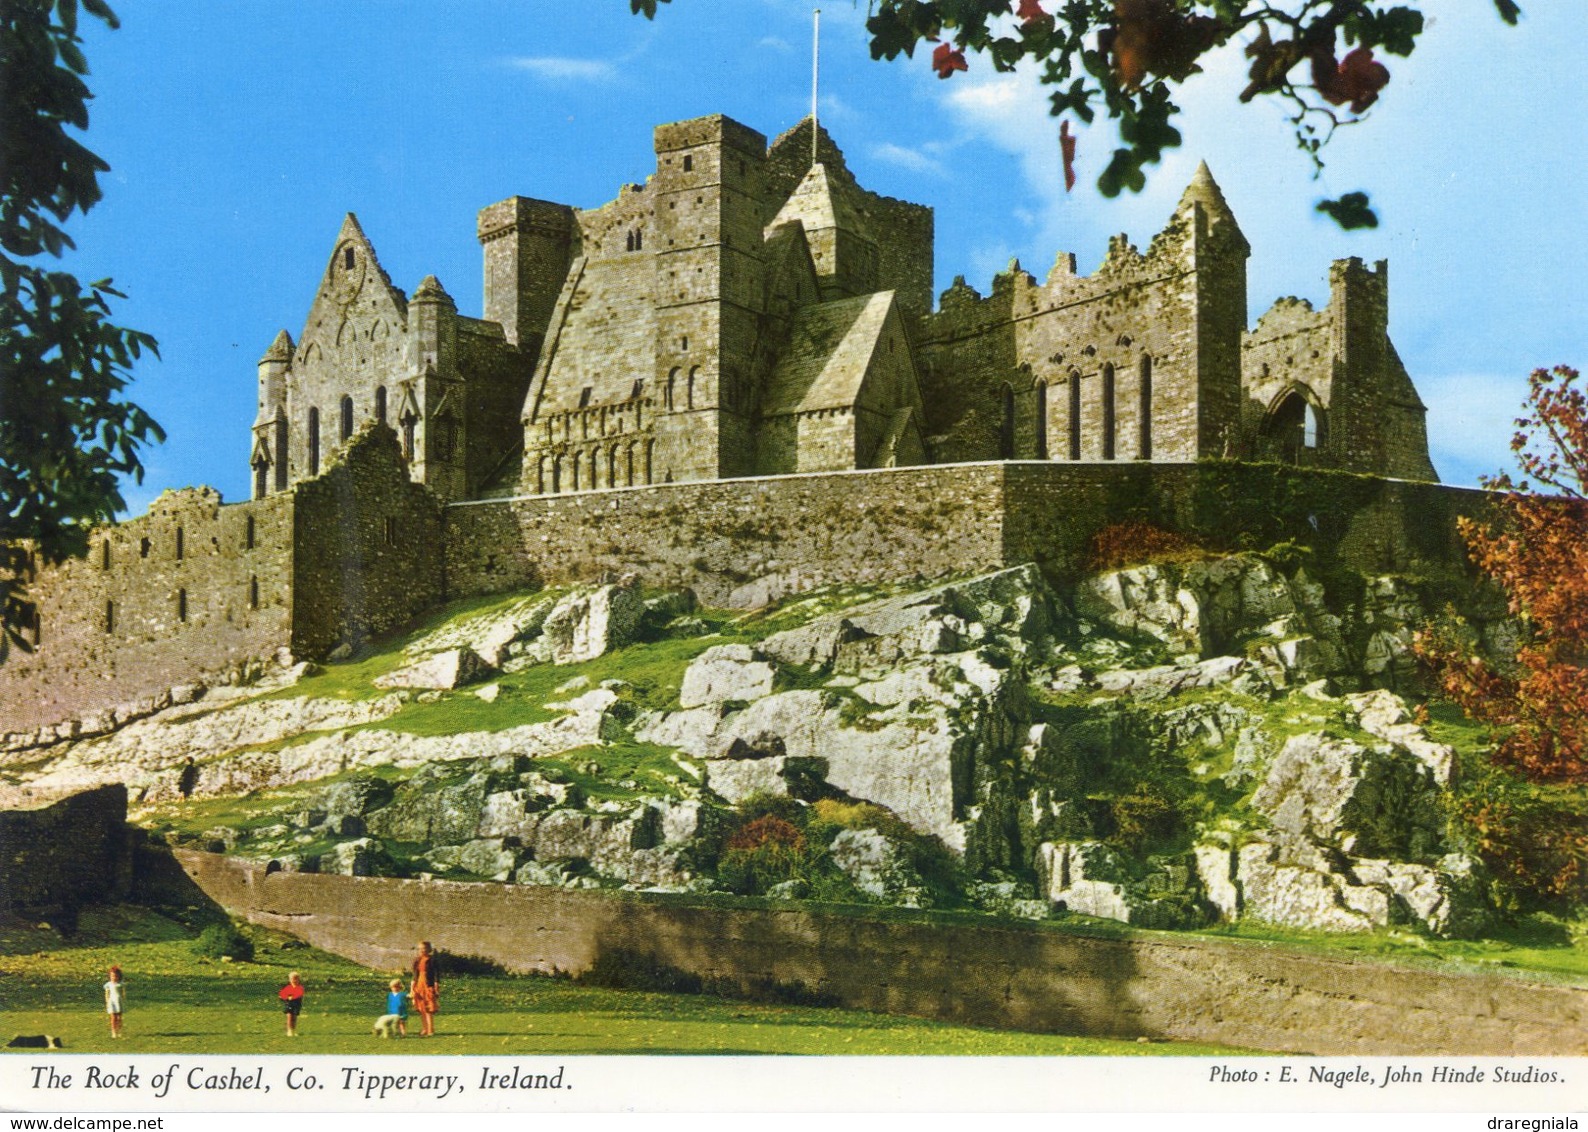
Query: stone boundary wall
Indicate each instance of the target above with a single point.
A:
(190, 592)
(78, 851)
(739, 543)
(1011, 976)
(742, 543)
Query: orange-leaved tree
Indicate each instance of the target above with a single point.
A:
(1527, 813)
(1536, 550)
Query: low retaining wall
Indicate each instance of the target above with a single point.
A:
(1002, 975)
(742, 543)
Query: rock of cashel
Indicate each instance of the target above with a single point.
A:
(718, 559)
(731, 376)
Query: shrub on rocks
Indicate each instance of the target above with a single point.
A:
(224, 941)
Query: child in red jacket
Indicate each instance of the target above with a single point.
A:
(292, 1002)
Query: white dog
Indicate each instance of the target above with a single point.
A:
(388, 1026)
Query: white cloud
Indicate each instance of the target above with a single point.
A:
(912, 159)
(834, 108)
(562, 69)
(775, 43)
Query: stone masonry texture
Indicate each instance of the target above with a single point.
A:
(1252, 995)
(741, 313)
(78, 851)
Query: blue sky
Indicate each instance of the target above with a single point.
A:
(239, 135)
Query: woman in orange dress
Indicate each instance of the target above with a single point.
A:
(426, 988)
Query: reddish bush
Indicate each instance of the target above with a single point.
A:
(767, 829)
(1133, 542)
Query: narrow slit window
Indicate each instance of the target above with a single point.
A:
(253, 593)
(281, 454)
(249, 533)
(1146, 407)
(110, 616)
(181, 544)
(181, 605)
(104, 555)
(1108, 412)
(314, 442)
(1075, 416)
(1006, 430)
(1042, 420)
(347, 418)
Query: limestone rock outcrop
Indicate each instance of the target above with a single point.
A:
(1163, 745)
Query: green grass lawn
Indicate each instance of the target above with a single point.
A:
(178, 1002)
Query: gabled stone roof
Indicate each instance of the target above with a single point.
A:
(829, 351)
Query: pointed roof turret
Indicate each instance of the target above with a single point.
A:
(819, 202)
(280, 350)
(430, 290)
(1204, 190)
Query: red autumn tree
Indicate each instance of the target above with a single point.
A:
(1535, 549)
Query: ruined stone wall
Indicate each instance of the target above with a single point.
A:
(740, 543)
(192, 590)
(1140, 360)
(368, 548)
(1076, 350)
(1290, 347)
(77, 851)
(1341, 360)
(965, 354)
(1011, 976)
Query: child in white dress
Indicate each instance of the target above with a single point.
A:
(115, 997)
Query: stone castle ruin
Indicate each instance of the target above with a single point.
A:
(731, 377)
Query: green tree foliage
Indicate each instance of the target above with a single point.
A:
(1125, 58)
(65, 434)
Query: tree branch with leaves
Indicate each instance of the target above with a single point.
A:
(66, 434)
(1124, 59)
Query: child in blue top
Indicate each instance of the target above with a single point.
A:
(397, 1003)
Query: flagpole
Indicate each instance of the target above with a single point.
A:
(816, 53)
